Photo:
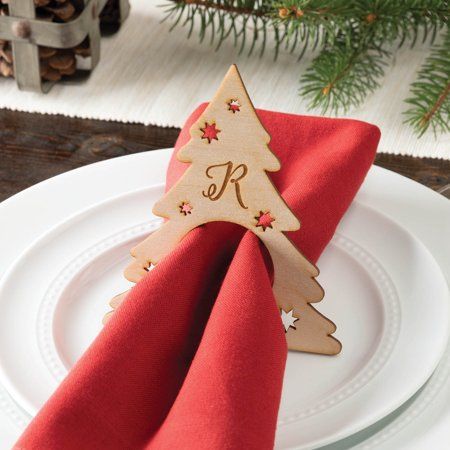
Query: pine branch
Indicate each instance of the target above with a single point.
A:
(244, 21)
(430, 99)
(303, 21)
(232, 7)
(355, 38)
(342, 76)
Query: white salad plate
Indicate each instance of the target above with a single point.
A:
(70, 235)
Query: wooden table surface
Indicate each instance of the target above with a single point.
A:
(34, 147)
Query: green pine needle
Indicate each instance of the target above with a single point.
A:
(341, 77)
(430, 99)
(353, 37)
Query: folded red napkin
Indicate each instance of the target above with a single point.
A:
(194, 358)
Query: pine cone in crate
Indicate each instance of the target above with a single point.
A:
(55, 63)
(110, 16)
(6, 67)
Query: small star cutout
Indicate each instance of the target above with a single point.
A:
(264, 220)
(234, 106)
(288, 319)
(210, 132)
(186, 208)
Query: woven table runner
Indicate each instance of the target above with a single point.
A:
(152, 76)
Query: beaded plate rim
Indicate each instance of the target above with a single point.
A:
(391, 313)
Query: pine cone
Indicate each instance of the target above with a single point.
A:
(55, 63)
(111, 13)
(6, 66)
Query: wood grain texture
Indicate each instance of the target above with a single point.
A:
(229, 156)
(433, 173)
(34, 147)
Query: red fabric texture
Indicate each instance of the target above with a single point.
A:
(194, 358)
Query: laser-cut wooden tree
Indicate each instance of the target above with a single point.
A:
(227, 181)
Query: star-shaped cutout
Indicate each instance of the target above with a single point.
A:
(264, 220)
(288, 319)
(234, 106)
(210, 132)
(186, 208)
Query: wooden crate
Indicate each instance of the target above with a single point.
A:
(27, 33)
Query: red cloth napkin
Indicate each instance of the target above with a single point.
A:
(194, 358)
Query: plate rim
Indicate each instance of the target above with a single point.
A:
(41, 240)
(377, 172)
(48, 307)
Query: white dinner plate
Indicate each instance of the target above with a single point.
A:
(392, 314)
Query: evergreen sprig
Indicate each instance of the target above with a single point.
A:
(354, 38)
(430, 99)
(241, 20)
(342, 76)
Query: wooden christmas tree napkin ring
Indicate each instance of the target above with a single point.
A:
(227, 181)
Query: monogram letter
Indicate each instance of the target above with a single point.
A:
(232, 176)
